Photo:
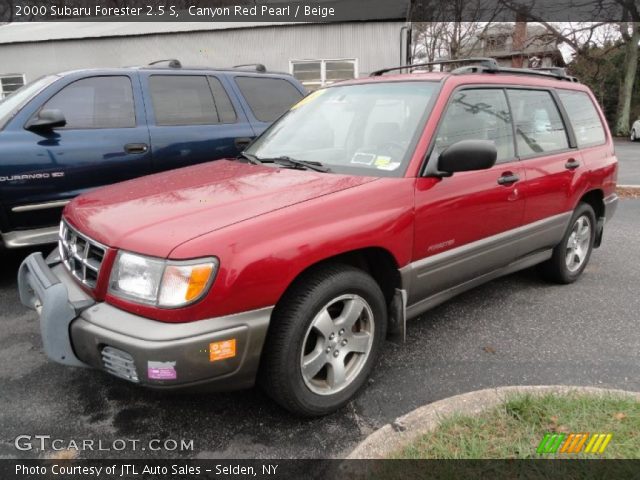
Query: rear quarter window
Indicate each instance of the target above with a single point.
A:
(584, 118)
(268, 98)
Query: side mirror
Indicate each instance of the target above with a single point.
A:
(47, 120)
(467, 155)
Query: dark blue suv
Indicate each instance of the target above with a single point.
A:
(68, 133)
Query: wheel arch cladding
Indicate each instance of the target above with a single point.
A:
(595, 199)
(376, 261)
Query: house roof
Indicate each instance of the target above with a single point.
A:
(533, 30)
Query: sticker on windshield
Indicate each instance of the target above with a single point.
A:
(382, 161)
(389, 166)
(308, 99)
(363, 158)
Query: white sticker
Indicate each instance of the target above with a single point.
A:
(363, 158)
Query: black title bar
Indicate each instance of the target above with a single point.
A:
(318, 11)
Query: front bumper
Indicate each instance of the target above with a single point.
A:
(220, 353)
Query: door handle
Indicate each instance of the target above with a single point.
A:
(136, 148)
(508, 179)
(242, 142)
(572, 164)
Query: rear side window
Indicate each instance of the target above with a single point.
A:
(182, 100)
(268, 98)
(584, 118)
(481, 114)
(96, 102)
(538, 124)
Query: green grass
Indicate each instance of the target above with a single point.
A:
(515, 428)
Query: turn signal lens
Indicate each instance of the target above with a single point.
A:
(183, 284)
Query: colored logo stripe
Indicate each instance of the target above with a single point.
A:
(579, 443)
(574, 442)
(598, 443)
(550, 443)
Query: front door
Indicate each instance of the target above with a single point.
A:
(105, 140)
(465, 224)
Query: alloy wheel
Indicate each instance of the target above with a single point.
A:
(578, 243)
(337, 344)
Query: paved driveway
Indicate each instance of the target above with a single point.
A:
(514, 331)
(628, 154)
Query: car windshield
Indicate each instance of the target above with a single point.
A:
(362, 129)
(12, 104)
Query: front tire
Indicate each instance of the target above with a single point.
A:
(324, 337)
(571, 255)
(633, 136)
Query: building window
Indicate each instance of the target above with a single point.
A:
(10, 83)
(496, 42)
(314, 74)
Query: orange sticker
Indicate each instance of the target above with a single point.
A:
(222, 350)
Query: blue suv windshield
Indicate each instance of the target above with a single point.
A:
(12, 104)
(362, 129)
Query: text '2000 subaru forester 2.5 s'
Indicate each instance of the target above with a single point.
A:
(368, 203)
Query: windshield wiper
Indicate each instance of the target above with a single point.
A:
(294, 163)
(251, 158)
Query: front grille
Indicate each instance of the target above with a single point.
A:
(119, 363)
(81, 255)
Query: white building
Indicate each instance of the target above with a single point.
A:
(317, 54)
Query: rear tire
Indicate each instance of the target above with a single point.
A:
(571, 255)
(324, 337)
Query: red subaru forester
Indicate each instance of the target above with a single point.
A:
(368, 203)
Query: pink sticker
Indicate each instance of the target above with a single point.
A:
(162, 370)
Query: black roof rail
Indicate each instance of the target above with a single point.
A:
(487, 63)
(553, 72)
(257, 66)
(173, 62)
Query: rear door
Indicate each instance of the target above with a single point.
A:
(266, 98)
(466, 225)
(551, 162)
(105, 140)
(192, 119)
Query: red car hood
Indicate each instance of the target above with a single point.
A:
(154, 214)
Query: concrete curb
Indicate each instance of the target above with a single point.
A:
(407, 428)
(634, 187)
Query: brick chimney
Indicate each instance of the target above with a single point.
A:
(519, 41)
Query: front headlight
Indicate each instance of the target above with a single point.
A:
(164, 283)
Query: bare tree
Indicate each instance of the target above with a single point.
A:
(630, 32)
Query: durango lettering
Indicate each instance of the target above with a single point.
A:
(30, 176)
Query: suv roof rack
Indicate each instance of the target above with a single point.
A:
(485, 62)
(258, 67)
(487, 65)
(547, 72)
(172, 62)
